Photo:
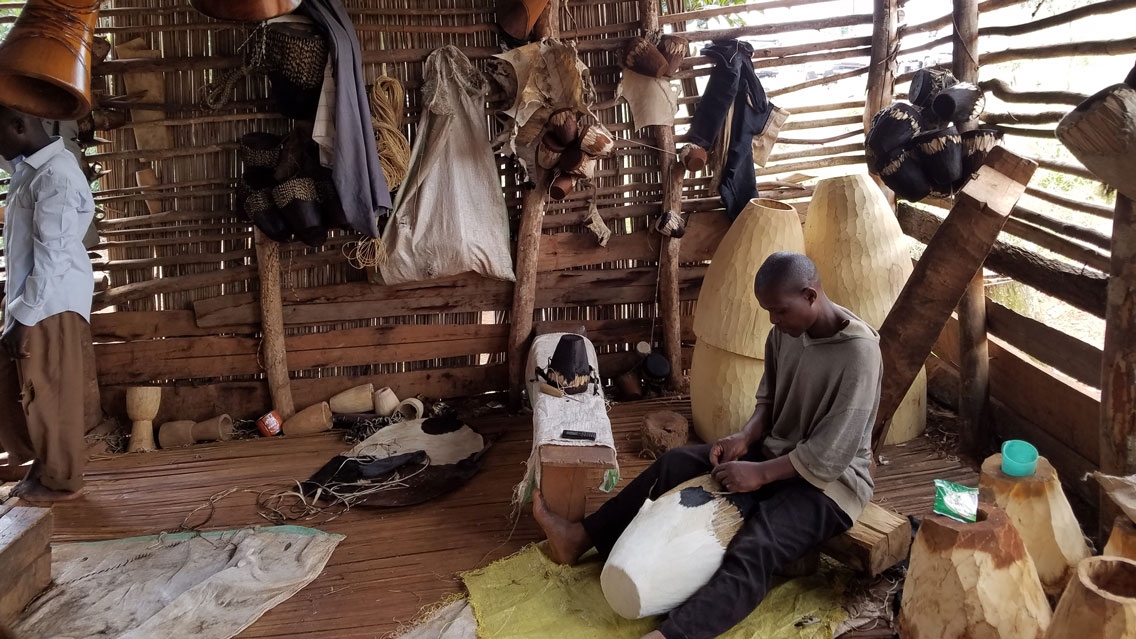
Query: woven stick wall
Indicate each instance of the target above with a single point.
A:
(182, 276)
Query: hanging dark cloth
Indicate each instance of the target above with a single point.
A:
(356, 172)
(732, 84)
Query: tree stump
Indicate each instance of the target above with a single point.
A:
(1038, 508)
(1122, 541)
(1099, 602)
(972, 581)
(663, 430)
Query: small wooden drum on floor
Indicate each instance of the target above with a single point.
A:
(670, 550)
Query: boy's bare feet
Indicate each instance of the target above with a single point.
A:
(33, 491)
(567, 540)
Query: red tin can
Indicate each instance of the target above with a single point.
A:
(269, 424)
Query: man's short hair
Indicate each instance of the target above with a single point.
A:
(786, 271)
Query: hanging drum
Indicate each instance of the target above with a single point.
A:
(45, 62)
(246, 10)
(297, 54)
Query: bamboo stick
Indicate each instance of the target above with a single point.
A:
(1063, 229)
(823, 151)
(1017, 131)
(792, 167)
(836, 138)
(1097, 8)
(1049, 117)
(808, 84)
(749, 31)
(703, 14)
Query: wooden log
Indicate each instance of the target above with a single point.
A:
(25, 533)
(972, 581)
(1092, 237)
(1101, 133)
(1002, 91)
(569, 473)
(1083, 289)
(1079, 48)
(1044, 238)
(881, 71)
(1100, 601)
(775, 28)
(943, 21)
(1118, 368)
(275, 356)
(1038, 508)
(524, 293)
(1122, 540)
(950, 261)
(879, 539)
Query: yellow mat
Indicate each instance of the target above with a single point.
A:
(527, 595)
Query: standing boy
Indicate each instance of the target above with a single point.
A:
(799, 468)
(46, 310)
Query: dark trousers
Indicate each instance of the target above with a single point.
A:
(43, 397)
(783, 521)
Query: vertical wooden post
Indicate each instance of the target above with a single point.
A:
(1118, 371)
(672, 173)
(881, 69)
(273, 353)
(528, 248)
(974, 359)
(524, 293)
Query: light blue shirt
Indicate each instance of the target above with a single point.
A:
(49, 208)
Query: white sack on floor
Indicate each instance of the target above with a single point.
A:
(206, 586)
(450, 215)
(453, 621)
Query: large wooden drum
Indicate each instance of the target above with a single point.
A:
(670, 550)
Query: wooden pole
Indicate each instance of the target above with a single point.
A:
(528, 248)
(524, 293)
(974, 357)
(1118, 372)
(881, 70)
(951, 260)
(273, 354)
(672, 173)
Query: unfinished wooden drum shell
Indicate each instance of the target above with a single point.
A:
(245, 10)
(359, 399)
(176, 434)
(1100, 601)
(385, 402)
(864, 260)
(313, 419)
(728, 315)
(722, 390)
(972, 581)
(45, 70)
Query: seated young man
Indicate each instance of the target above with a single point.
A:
(799, 468)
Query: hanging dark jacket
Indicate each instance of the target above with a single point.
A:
(357, 175)
(732, 83)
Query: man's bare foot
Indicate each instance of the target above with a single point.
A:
(567, 540)
(33, 491)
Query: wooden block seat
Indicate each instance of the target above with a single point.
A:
(25, 558)
(879, 539)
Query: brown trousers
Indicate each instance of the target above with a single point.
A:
(42, 400)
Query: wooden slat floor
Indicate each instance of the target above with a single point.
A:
(393, 561)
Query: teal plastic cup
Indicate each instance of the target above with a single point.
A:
(1019, 458)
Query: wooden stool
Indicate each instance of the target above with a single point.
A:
(878, 540)
(25, 558)
(1037, 507)
(567, 473)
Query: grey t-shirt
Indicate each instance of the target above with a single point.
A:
(823, 395)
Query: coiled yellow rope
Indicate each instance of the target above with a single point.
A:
(387, 103)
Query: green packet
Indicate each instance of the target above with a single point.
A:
(955, 501)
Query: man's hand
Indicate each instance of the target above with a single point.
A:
(729, 448)
(15, 341)
(741, 476)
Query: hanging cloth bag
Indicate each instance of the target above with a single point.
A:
(450, 215)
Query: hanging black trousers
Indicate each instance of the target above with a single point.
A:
(783, 521)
